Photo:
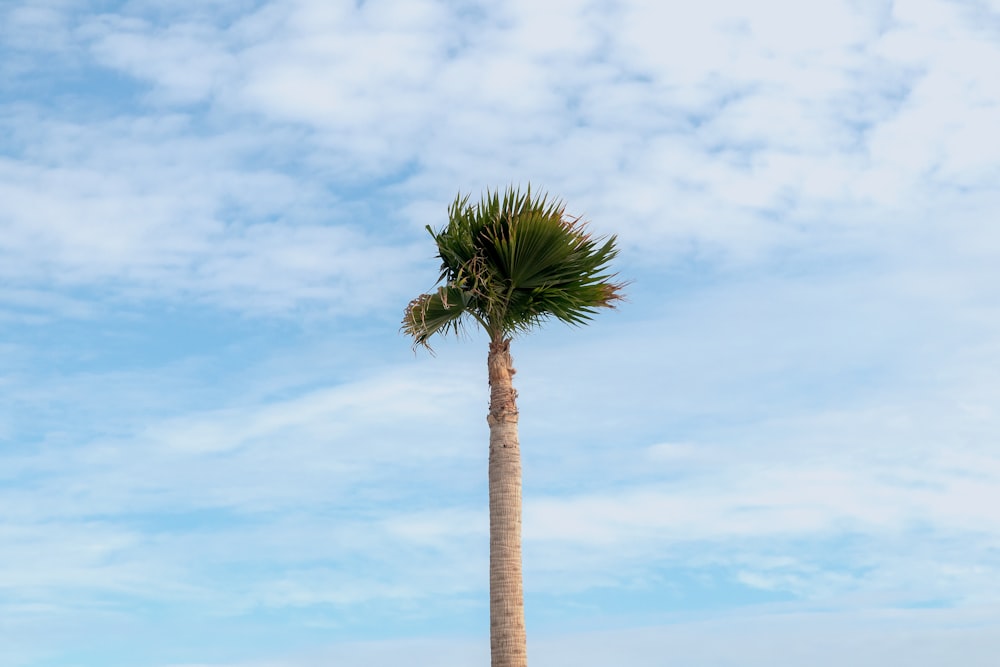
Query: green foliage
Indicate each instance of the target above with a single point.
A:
(510, 263)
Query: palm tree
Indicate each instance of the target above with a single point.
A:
(509, 264)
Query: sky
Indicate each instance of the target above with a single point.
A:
(217, 450)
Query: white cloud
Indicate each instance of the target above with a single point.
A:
(187, 59)
(922, 638)
(904, 460)
(141, 207)
(735, 128)
(34, 27)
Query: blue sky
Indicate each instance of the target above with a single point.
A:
(217, 451)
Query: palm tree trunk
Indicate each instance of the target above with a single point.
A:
(508, 642)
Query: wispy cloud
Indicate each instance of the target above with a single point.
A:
(740, 132)
(141, 207)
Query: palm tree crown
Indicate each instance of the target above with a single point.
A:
(510, 263)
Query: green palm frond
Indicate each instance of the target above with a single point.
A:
(512, 262)
(441, 311)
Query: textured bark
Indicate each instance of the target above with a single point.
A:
(508, 642)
